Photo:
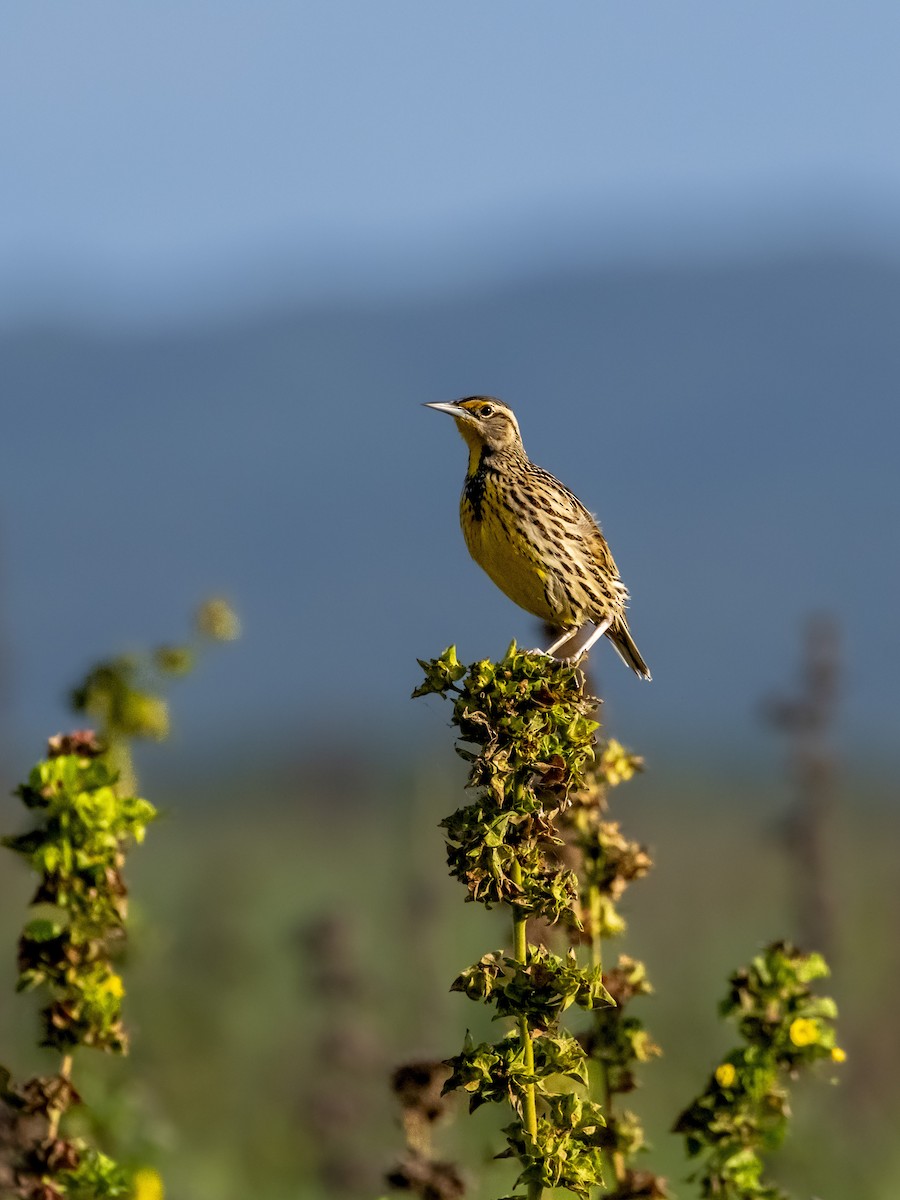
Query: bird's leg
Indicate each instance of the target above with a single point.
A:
(566, 637)
(595, 637)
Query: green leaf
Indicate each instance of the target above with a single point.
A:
(41, 929)
(97, 1177)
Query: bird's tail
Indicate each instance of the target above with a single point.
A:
(628, 652)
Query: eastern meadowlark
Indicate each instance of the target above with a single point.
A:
(533, 537)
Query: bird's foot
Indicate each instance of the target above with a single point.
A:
(576, 659)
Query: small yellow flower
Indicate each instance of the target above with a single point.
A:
(147, 1184)
(113, 985)
(619, 764)
(838, 1054)
(725, 1075)
(804, 1031)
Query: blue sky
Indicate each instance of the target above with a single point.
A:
(147, 143)
(162, 158)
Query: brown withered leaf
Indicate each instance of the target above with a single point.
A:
(426, 1178)
(418, 1085)
(44, 1093)
(83, 742)
(640, 1185)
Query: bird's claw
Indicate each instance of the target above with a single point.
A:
(575, 659)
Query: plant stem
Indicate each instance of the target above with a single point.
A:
(593, 907)
(120, 759)
(65, 1073)
(520, 953)
(616, 1157)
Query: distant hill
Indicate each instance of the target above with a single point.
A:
(735, 426)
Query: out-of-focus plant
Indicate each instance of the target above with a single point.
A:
(606, 862)
(343, 1050)
(743, 1111)
(538, 839)
(86, 814)
(82, 829)
(806, 717)
(419, 1088)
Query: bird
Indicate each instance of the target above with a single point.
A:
(533, 537)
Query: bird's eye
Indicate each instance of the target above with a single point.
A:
(487, 410)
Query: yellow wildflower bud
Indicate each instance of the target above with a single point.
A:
(725, 1075)
(114, 986)
(804, 1031)
(216, 619)
(147, 1184)
(144, 715)
(617, 764)
(838, 1054)
(174, 660)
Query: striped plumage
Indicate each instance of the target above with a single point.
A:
(533, 537)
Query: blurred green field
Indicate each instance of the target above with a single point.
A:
(243, 1082)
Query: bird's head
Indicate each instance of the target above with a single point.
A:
(485, 423)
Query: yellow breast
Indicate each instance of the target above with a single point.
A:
(497, 543)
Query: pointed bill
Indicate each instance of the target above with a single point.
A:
(442, 406)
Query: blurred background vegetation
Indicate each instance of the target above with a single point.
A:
(238, 249)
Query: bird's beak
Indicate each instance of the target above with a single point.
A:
(453, 409)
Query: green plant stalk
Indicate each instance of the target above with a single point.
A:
(520, 953)
(120, 759)
(65, 1072)
(593, 910)
(616, 1160)
(593, 907)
